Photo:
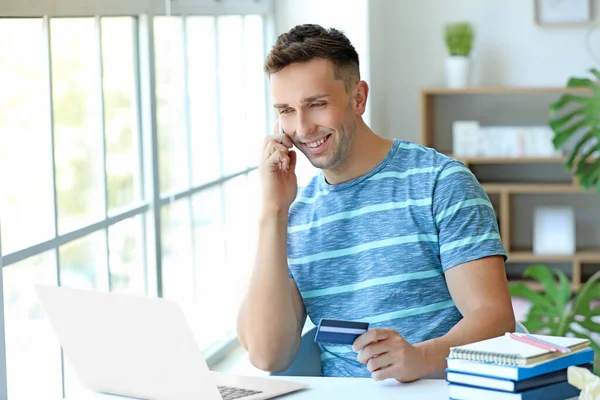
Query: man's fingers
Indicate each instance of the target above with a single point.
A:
(385, 373)
(372, 350)
(274, 146)
(378, 362)
(370, 336)
(283, 139)
(279, 159)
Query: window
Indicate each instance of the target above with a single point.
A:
(211, 116)
(92, 198)
(27, 190)
(32, 352)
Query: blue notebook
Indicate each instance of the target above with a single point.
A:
(518, 373)
(506, 385)
(556, 391)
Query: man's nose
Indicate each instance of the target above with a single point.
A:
(305, 126)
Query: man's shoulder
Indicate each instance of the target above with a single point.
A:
(419, 163)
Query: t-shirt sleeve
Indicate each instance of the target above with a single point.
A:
(465, 218)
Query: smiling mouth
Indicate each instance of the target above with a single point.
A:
(317, 143)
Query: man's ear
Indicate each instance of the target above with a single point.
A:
(359, 95)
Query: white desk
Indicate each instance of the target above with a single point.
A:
(362, 389)
(346, 389)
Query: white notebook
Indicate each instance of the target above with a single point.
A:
(504, 350)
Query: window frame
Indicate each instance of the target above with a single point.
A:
(151, 203)
(110, 8)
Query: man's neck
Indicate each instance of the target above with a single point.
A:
(368, 150)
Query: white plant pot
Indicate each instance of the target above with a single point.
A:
(457, 71)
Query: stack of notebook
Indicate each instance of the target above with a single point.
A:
(505, 368)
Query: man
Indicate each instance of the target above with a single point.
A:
(388, 232)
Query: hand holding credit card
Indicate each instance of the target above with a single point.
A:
(339, 332)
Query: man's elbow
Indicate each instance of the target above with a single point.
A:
(510, 322)
(268, 362)
(504, 319)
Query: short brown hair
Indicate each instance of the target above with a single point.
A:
(305, 42)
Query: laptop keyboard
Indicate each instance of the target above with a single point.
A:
(231, 393)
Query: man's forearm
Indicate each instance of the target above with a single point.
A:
(480, 324)
(267, 323)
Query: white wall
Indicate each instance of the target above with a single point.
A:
(408, 52)
(401, 46)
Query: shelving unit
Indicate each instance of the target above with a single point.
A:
(529, 106)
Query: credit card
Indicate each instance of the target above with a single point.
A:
(336, 331)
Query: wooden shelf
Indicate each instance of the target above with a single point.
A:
(436, 133)
(588, 256)
(501, 90)
(592, 255)
(532, 188)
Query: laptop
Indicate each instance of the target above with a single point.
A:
(142, 347)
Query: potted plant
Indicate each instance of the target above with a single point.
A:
(459, 41)
(558, 311)
(576, 118)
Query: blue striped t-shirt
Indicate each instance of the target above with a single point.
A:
(375, 248)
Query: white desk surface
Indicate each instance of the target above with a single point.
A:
(364, 388)
(346, 389)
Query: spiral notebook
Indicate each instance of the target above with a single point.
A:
(503, 350)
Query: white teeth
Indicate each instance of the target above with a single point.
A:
(317, 143)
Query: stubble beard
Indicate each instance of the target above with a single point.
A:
(345, 135)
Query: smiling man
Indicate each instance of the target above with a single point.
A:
(388, 232)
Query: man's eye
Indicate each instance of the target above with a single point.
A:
(284, 111)
(317, 104)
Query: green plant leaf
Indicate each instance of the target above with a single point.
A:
(581, 304)
(584, 157)
(564, 100)
(584, 174)
(564, 290)
(535, 325)
(590, 174)
(583, 83)
(590, 325)
(521, 290)
(563, 136)
(583, 307)
(580, 82)
(559, 122)
(459, 38)
(580, 114)
(540, 312)
(542, 274)
(575, 152)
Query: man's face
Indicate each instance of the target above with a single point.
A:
(315, 111)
